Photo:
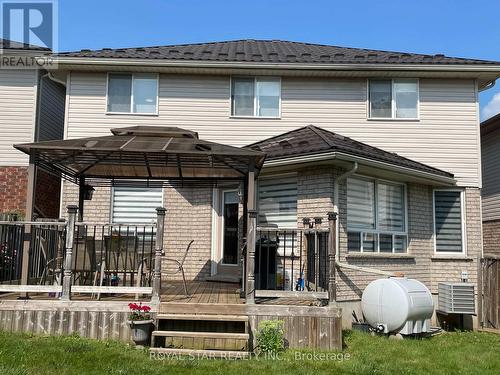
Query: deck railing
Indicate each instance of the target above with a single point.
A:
(291, 259)
(113, 254)
(292, 262)
(62, 258)
(44, 242)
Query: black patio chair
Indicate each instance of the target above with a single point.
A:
(179, 267)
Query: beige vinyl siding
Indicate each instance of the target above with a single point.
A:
(17, 113)
(490, 148)
(51, 110)
(445, 137)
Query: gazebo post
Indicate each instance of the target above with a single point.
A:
(251, 237)
(68, 260)
(81, 197)
(160, 225)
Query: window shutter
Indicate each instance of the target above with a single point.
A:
(391, 212)
(136, 205)
(360, 203)
(278, 202)
(448, 221)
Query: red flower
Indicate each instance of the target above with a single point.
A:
(133, 306)
(146, 308)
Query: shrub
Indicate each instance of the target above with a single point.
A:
(271, 336)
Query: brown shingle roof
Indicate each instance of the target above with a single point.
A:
(12, 45)
(273, 51)
(311, 140)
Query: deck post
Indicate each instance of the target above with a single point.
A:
(332, 244)
(251, 237)
(252, 228)
(68, 261)
(160, 225)
(30, 197)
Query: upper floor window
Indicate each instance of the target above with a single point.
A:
(132, 93)
(393, 98)
(376, 216)
(255, 97)
(448, 221)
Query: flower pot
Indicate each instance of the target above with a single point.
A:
(141, 331)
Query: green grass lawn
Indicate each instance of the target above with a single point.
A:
(449, 353)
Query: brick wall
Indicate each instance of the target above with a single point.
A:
(449, 269)
(13, 189)
(47, 195)
(189, 217)
(491, 237)
(96, 211)
(314, 199)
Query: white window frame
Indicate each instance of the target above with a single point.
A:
(376, 230)
(463, 219)
(132, 96)
(393, 100)
(255, 110)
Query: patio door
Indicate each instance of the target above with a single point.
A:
(226, 260)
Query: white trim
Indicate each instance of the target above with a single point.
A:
(133, 74)
(31, 288)
(255, 106)
(393, 100)
(111, 289)
(215, 226)
(377, 231)
(463, 224)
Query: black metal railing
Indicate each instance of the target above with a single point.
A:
(45, 243)
(291, 259)
(113, 254)
(11, 252)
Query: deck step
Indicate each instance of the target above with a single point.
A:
(222, 318)
(201, 354)
(206, 335)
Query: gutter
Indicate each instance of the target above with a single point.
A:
(488, 86)
(374, 163)
(257, 65)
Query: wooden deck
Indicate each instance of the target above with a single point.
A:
(201, 292)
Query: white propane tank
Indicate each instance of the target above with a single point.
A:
(397, 305)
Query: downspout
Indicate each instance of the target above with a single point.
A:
(52, 78)
(336, 182)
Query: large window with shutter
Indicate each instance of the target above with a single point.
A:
(376, 216)
(135, 205)
(448, 221)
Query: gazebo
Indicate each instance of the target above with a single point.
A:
(150, 156)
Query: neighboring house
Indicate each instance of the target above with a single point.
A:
(490, 194)
(406, 182)
(31, 109)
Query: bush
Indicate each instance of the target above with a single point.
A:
(271, 336)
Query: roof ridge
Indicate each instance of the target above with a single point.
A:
(318, 133)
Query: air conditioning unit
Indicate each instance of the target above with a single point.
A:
(456, 298)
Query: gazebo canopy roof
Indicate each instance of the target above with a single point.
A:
(143, 153)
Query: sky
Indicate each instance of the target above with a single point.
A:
(460, 28)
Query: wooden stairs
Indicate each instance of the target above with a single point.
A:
(201, 335)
